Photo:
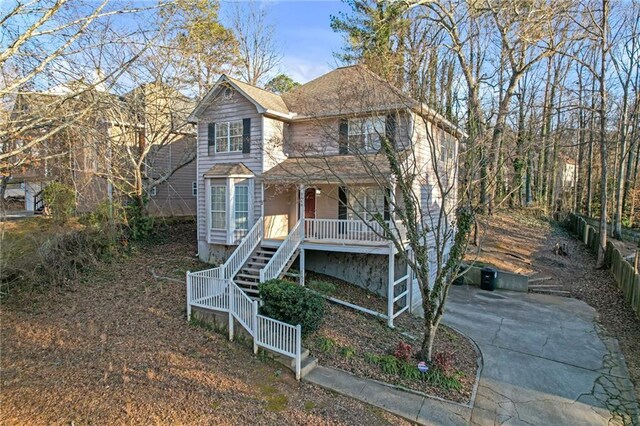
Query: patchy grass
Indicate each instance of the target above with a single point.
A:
(114, 347)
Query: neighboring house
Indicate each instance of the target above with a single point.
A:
(86, 154)
(292, 178)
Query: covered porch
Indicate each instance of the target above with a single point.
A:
(347, 218)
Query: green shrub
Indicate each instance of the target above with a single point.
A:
(60, 200)
(292, 304)
(139, 222)
(371, 358)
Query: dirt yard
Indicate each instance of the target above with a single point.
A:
(519, 242)
(115, 348)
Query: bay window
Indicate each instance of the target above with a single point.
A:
(241, 207)
(218, 207)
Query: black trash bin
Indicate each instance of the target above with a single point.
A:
(488, 279)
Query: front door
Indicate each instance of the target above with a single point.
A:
(310, 203)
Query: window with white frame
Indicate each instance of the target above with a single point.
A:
(241, 207)
(218, 206)
(365, 133)
(447, 149)
(194, 188)
(365, 203)
(229, 136)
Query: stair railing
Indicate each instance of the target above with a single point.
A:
(283, 254)
(204, 287)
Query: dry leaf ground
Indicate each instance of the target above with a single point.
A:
(115, 348)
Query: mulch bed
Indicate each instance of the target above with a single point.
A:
(114, 347)
(364, 333)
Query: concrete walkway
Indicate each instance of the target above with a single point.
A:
(545, 362)
(405, 404)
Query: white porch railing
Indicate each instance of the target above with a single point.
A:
(203, 286)
(283, 254)
(342, 230)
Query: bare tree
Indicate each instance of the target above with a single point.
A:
(258, 55)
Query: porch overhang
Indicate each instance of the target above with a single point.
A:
(340, 170)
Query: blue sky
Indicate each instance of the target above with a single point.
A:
(304, 35)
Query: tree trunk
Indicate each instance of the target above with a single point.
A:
(600, 263)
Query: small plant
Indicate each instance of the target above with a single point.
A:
(443, 361)
(371, 358)
(409, 371)
(403, 352)
(348, 352)
(389, 364)
(326, 344)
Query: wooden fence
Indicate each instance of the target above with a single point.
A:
(625, 274)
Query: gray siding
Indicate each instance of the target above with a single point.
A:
(235, 108)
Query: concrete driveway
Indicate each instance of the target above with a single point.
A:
(546, 361)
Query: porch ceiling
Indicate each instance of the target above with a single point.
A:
(373, 168)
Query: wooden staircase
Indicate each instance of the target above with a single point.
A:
(248, 277)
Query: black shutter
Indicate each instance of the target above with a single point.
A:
(246, 135)
(342, 202)
(343, 138)
(390, 129)
(387, 215)
(211, 138)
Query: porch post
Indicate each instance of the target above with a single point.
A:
(390, 293)
(392, 199)
(301, 202)
(302, 266)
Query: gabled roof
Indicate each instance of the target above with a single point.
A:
(266, 102)
(228, 170)
(346, 90)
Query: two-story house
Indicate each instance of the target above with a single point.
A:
(299, 177)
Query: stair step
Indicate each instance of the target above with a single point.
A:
(307, 366)
(550, 291)
(303, 355)
(546, 286)
(247, 277)
(248, 286)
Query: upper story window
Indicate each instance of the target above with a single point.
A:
(229, 136)
(365, 133)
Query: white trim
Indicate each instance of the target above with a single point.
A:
(210, 211)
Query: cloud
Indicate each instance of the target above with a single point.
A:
(302, 70)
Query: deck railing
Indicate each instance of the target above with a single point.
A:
(283, 254)
(342, 230)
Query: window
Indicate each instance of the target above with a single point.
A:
(447, 150)
(153, 191)
(365, 133)
(194, 188)
(242, 207)
(365, 203)
(229, 136)
(218, 207)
